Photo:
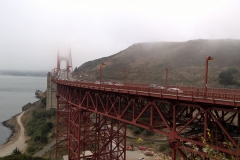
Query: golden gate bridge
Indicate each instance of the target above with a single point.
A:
(198, 123)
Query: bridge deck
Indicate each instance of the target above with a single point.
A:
(190, 94)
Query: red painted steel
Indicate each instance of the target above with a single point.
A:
(101, 136)
(61, 125)
(227, 97)
(185, 118)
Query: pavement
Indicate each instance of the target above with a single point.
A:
(45, 149)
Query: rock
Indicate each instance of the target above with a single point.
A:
(39, 94)
(27, 106)
(12, 125)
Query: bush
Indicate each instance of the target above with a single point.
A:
(16, 151)
(39, 128)
(50, 125)
(21, 157)
(37, 138)
(43, 100)
(163, 147)
(31, 149)
(137, 130)
(148, 133)
(44, 139)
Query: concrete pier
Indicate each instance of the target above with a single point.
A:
(51, 93)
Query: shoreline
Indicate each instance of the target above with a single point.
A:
(18, 140)
(11, 124)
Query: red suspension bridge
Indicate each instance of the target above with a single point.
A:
(93, 117)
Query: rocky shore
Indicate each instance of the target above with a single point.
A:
(13, 126)
(18, 138)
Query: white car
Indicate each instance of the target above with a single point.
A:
(160, 87)
(156, 87)
(97, 82)
(174, 90)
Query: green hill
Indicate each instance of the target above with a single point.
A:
(144, 62)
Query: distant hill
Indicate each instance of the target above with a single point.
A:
(144, 62)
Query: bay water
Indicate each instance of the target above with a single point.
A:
(15, 92)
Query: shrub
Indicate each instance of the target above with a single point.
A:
(31, 149)
(16, 151)
(163, 147)
(137, 130)
(148, 133)
(43, 100)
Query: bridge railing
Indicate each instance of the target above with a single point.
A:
(193, 92)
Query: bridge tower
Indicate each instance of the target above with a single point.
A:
(68, 60)
(51, 86)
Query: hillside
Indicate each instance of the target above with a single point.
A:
(144, 62)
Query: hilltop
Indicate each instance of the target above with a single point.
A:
(145, 62)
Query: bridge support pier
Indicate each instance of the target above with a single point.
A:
(51, 100)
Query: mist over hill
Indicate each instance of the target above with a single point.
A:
(145, 62)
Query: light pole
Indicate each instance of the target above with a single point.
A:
(88, 75)
(100, 72)
(166, 80)
(206, 72)
(124, 75)
(68, 70)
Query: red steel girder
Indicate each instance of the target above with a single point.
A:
(181, 121)
(103, 137)
(61, 124)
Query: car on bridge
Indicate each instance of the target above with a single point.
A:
(154, 86)
(175, 90)
(97, 82)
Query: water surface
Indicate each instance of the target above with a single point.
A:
(15, 92)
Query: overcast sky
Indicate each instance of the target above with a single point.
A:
(32, 31)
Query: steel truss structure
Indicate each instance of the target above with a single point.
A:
(103, 137)
(97, 122)
(61, 125)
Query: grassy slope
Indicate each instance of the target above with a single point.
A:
(38, 107)
(144, 62)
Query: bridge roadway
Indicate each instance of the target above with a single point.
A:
(190, 94)
(184, 117)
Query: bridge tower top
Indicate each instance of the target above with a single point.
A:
(68, 60)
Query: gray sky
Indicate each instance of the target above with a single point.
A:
(32, 31)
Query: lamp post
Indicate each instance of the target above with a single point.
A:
(124, 75)
(166, 80)
(206, 72)
(68, 70)
(88, 75)
(100, 72)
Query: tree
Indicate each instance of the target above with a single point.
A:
(75, 69)
(16, 151)
(226, 77)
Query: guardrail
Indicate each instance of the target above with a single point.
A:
(194, 94)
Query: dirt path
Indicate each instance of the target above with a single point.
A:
(19, 141)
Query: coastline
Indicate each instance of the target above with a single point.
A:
(13, 126)
(18, 140)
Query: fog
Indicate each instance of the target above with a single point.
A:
(33, 31)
